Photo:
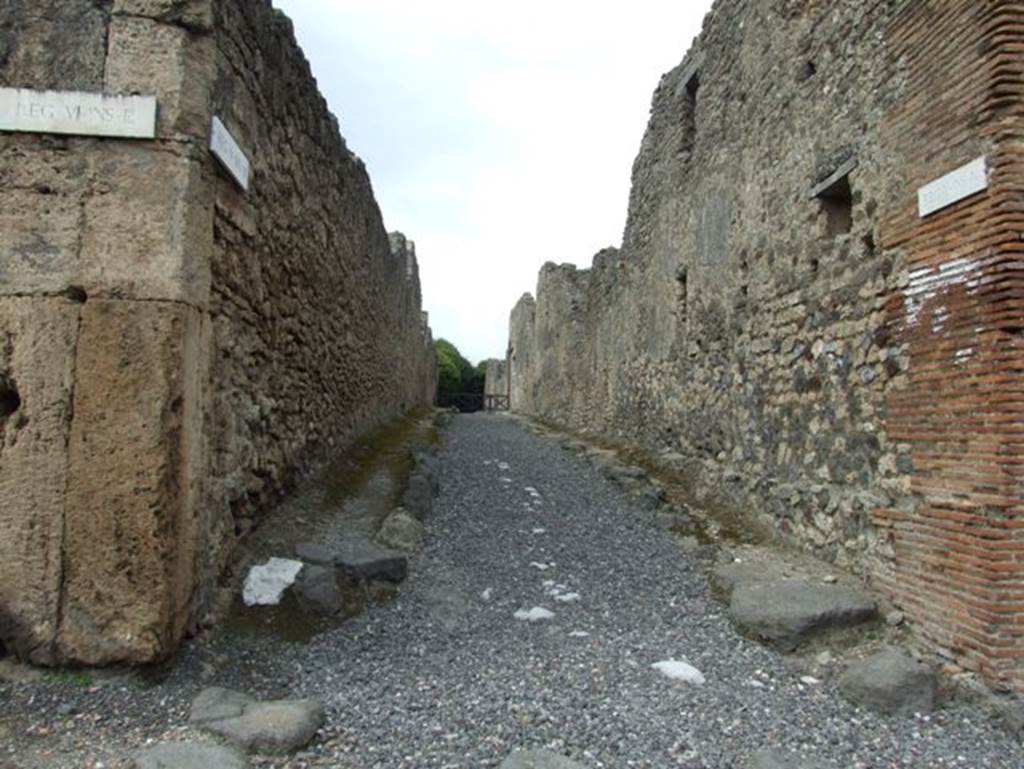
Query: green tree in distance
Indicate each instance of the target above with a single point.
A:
(459, 383)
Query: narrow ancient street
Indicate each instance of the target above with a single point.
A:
(531, 619)
(455, 385)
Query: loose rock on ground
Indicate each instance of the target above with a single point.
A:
(774, 759)
(890, 682)
(443, 677)
(790, 611)
(189, 755)
(272, 727)
(539, 759)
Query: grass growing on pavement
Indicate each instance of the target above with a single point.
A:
(71, 677)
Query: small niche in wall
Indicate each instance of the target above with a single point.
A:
(681, 294)
(835, 196)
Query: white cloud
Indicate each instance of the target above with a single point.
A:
(497, 136)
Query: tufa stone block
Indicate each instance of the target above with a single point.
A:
(132, 531)
(53, 44)
(36, 385)
(39, 250)
(193, 15)
(145, 239)
(147, 57)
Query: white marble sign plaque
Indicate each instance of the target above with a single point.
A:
(77, 113)
(953, 187)
(226, 150)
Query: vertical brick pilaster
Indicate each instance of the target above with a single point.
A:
(957, 561)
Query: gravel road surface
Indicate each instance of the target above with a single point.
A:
(446, 675)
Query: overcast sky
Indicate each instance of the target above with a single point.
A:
(498, 136)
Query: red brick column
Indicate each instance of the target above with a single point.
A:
(957, 560)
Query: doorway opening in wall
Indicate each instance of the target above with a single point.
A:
(10, 400)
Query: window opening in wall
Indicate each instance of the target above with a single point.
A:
(692, 86)
(838, 209)
(681, 293)
(744, 279)
(836, 199)
(690, 111)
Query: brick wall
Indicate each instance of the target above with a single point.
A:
(956, 560)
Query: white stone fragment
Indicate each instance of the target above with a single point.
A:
(567, 597)
(536, 614)
(579, 634)
(810, 680)
(680, 671)
(266, 583)
(486, 595)
(540, 531)
(539, 566)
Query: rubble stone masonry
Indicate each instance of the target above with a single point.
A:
(782, 322)
(496, 378)
(173, 349)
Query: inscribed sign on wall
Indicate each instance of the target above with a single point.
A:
(77, 113)
(226, 150)
(953, 187)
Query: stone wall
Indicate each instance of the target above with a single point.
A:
(174, 349)
(520, 353)
(317, 326)
(495, 378)
(783, 325)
